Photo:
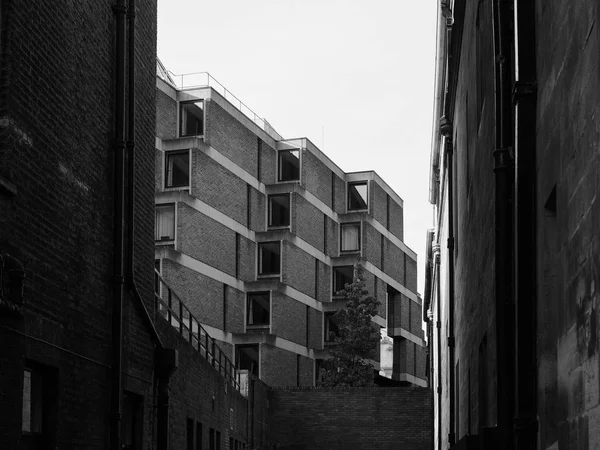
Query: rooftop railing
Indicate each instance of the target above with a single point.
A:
(170, 307)
(189, 81)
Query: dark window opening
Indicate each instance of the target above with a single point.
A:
(247, 358)
(331, 327)
(258, 309)
(269, 258)
(198, 436)
(192, 118)
(40, 405)
(177, 169)
(289, 165)
(132, 422)
(156, 276)
(350, 237)
(164, 225)
(189, 434)
(357, 196)
(279, 210)
(342, 276)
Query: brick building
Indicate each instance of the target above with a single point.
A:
(513, 260)
(256, 233)
(88, 361)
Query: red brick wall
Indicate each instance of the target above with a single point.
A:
(352, 418)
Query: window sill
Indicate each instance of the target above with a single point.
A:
(278, 227)
(165, 243)
(268, 275)
(349, 252)
(177, 188)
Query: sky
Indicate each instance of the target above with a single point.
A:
(356, 77)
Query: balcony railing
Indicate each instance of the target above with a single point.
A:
(188, 81)
(170, 307)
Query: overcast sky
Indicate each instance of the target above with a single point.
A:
(354, 76)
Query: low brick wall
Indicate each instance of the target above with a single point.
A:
(351, 418)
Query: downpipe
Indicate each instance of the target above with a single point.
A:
(524, 100)
(503, 169)
(120, 10)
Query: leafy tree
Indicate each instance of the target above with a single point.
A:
(357, 339)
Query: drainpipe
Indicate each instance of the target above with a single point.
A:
(131, 137)
(503, 241)
(438, 325)
(524, 99)
(446, 128)
(120, 10)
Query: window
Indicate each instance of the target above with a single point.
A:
(189, 434)
(198, 436)
(289, 165)
(177, 169)
(342, 276)
(164, 223)
(279, 210)
(331, 327)
(192, 118)
(40, 402)
(247, 358)
(132, 421)
(269, 258)
(258, 309)
(357, 196)
(350, 237)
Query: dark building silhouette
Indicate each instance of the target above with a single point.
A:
(512, 270)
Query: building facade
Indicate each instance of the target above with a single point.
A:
(257, 233)
(512, 260)
(87, 361)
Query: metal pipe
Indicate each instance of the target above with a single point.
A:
(120, 10)
(130, 138)
(503, 238)
(451, 350)
(438, 325)
(524, 99)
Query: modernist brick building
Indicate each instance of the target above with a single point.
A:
(513, 261)
(256, 233)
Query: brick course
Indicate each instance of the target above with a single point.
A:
(357, 418)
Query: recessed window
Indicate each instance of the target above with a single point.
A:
(164, 227)
(192, 118)
(357, 196)
(279, 210)
(39, 405)
(269, 258)
(341, 276)
(247, 358)
(157, 276)
(177, 169)
(258, 309)
(350, 237)
(289, 165)
(331, 327)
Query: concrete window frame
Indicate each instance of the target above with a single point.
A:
(355, 200)
(238, 362)
(165, 240)
(270, 222)
(283, 169)
(249, 316)
(183, 113)
(265, 267)
(337, 270)
(344, 242)
(167, 172)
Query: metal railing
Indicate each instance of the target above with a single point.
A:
(204, 79)
(170, 307)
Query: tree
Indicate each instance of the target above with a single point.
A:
(357, 339)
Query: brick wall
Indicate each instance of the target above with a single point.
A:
(396, 225)
(298, 269)
(288, 318)
(205, 239)
(309, 222)
(268, 163)
(277, 366)
(231, 138)
(166, 116)
(218, 187)
(379, 200)
(374, 418)
(316, 177)
(56, 147)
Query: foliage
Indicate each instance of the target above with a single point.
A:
(357, 339)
